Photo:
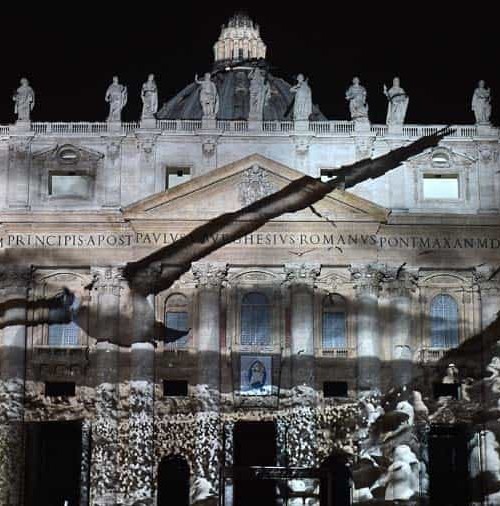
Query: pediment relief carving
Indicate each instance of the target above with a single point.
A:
(254, 276)
(231, 187)
(68, 154)
(445, 279)
(441, 157)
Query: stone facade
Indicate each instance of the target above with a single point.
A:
(79, 201)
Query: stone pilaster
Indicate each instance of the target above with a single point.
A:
(19, 171)
(141, 458)
(366, 280)
(399, 286)
(104, 466)
(209, 281)
(486, 279)
(85, 466)
(14, 284)
(300, 279)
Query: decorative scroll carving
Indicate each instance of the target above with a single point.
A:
(209, 275)
(14, 277)
(107, 279)
(305, 273)
(255, 185)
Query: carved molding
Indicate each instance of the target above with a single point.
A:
(302, 144)
(254, 185)
(304, 273)
(209, 275)
(367, 278)
(107, 279)
(15, 277)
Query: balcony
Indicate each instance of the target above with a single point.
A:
(60, 362)
(338, 128)
(430, 355)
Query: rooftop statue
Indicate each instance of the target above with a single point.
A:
(302, 107)
(24, 99)
(259, 92)
(209, 98)
(149, 96)
(116, 96)
(397, 103)
(481, 104)
(356, 94)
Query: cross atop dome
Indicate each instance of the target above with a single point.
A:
(239, 41)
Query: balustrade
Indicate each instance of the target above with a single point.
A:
(339, 128)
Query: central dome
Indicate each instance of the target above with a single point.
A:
(238, 52)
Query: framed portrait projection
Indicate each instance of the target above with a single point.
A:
(256, 375)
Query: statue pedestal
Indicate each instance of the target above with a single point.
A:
(396, 130)
(254, 125)
(485, 130)
(22, 127)
(114, 126)
(301, 126)
(361, 125)
(148, 123)
(208, 123)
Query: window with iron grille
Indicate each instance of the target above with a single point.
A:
(444, 322)
(334, 324)
(255, 320)
(62, 332)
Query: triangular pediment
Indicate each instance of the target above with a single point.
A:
(68, 153)
(441, 157)
(231, 187)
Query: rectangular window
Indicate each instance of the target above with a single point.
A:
(335, 389)
(175, 388)
(441, 186)
(334, 330)
(59, 389)
(176, 176)
(69, 185)
(178, 321)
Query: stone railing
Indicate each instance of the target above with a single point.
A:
(339, 128)
(338, 352)
(427, 355)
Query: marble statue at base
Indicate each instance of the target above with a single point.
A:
(402, 475)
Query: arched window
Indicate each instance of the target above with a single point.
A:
(255, 320)
(444, 322)
(62, 332)
(334, 323)
(177, 317)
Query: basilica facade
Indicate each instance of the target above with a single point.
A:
(345, 353)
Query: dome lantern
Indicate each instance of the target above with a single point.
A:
(239, 41)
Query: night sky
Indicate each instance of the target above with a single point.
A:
(70, 56)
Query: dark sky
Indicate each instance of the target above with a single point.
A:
(70, 56)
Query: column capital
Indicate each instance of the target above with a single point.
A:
(209, 274)
(483, 276)
(14, 277)
(400, 281)
(302, 273)
(107, 279)
(367, 277)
